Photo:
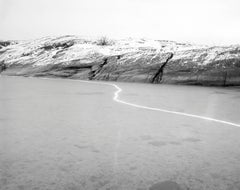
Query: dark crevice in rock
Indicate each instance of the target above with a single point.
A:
(158, 76)
(2, 66)
(97, 69)
(78, 67)
(225, 79)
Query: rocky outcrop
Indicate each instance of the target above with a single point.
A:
(3, 66)
(212, 66)
(6, 43)
(130, 60)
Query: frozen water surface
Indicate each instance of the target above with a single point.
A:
(66, 135)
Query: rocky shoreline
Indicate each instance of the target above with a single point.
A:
(129, 60)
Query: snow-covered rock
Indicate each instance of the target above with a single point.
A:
(133, 60)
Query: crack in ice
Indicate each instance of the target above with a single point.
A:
(116, 99)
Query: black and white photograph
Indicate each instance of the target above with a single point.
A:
(119, 95)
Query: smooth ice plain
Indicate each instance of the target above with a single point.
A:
(62, 134)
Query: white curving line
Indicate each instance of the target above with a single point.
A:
(116, 99)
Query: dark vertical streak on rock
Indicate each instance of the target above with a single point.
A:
(2, 66)
(225, 79)
(94, 72)
(158, 76)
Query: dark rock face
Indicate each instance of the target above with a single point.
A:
(124, 60)
(215, 71)
(131, 70)
(2, 66)
(4, 44)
